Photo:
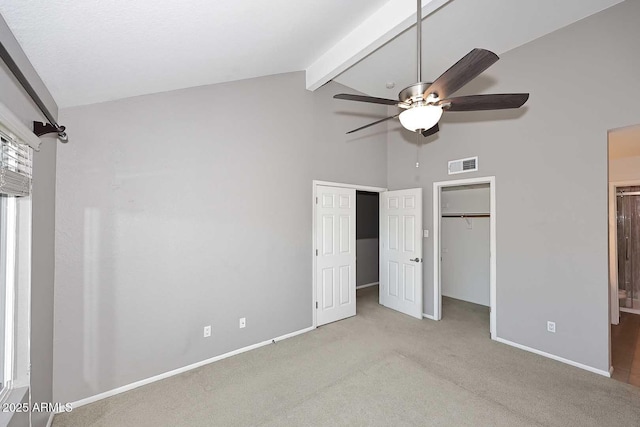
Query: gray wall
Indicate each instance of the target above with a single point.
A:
(191, 208)
(367, 215)
(367, 261)
(465, 245)
(43, 205)
(550, 163)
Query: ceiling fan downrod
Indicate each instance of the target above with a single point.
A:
(419, 38)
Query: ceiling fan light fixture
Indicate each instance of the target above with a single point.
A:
(424, 102)
(421, 117)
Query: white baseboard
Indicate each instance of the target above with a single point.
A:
(428, 316)
(50, 420)
(367, 285)
(146, 381)
(554, 357)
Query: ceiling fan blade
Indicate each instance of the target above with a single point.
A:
(431, 131)
(371, 99)
(374, 123)
(462, 72)
(485, 102)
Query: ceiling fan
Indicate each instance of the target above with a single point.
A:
(423, 103)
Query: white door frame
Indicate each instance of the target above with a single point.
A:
(437, 213)
(313, 228)
(613, 246)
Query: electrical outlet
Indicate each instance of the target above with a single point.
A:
(207, 331)
(551, 327)
(243, 322)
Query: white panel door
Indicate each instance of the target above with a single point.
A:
(336, 254)
(401, 251)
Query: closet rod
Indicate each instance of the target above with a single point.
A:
(628, 193)
(477, 215)
(39, 128)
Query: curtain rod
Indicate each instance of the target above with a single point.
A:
(38, 127)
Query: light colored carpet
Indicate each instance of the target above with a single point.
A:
(379, 368)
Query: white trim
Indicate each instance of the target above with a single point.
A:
(437, 192)
(612, 253)
(14, 126)
(437, 285)
(50, 420)
(356, 187)
(629, 310)
(428, 316)
(368, 285)
(314, 194)
(178, 371)
(558, 358)
(493, 266)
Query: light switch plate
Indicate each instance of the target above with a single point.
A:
(425, 233)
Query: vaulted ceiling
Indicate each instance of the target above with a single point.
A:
(95, 51)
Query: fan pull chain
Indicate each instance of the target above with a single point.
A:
(417, 149)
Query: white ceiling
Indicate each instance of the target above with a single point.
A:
(624, 143)
(89, 51)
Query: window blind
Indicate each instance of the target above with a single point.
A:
(15, 167)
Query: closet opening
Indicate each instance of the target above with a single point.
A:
(464, 248)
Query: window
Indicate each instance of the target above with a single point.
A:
(7, 286)
(15, 237)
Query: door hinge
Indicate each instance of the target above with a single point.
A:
(316, 252)
(316, 200)
(316, 305)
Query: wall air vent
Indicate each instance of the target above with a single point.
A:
(469, 164)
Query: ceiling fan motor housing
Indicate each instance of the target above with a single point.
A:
(414, 92)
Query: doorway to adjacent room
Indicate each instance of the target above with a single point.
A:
(624, 252)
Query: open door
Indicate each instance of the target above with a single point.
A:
(401, 251)
(335, 254)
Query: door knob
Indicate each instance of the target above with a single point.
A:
(415, 260)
